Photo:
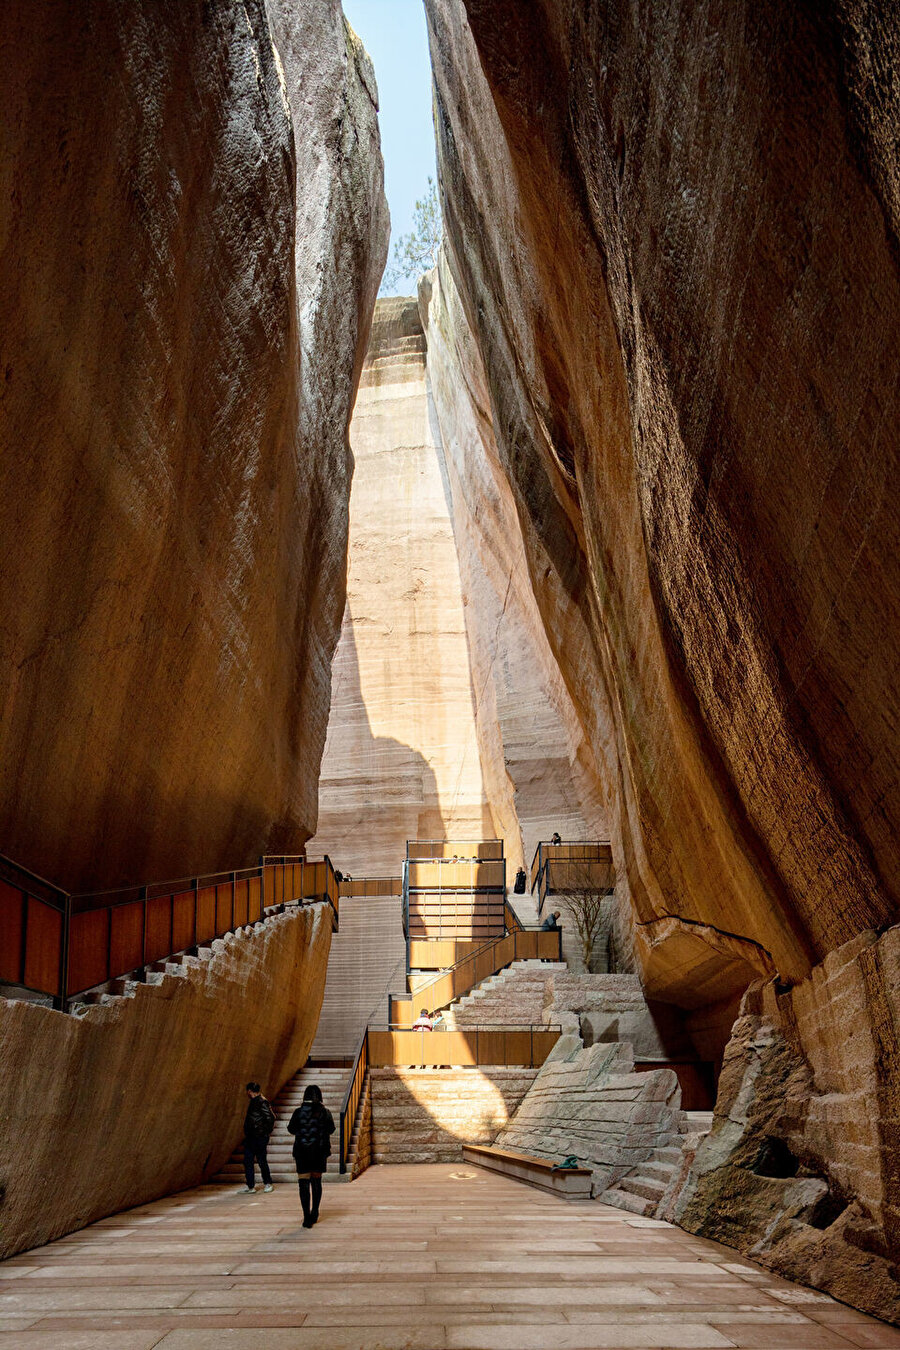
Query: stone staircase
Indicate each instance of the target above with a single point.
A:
(513, 997)
(367, 961)
(333, 1082)
(641, 1190)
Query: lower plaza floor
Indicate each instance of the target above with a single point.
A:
(418, 1258)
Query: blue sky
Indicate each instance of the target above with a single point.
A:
(393, 33)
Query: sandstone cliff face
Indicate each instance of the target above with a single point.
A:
(675, 240)
(799, 1170)
(191, 230)
(539, 770)
(449, 717)
(674, 235)
(401, 759)
(144, 1095)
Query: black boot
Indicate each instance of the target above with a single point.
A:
(304, 1201)
(316, 1184)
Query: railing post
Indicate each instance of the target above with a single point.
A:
(232, 900)
(195, 887)
(23, 941)
(142, 896)
(63, 951)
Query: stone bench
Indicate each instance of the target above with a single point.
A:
(571, 1182)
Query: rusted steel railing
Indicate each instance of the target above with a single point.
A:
(526, 944)
(60, 946)
(352, 1097)
(571, 865)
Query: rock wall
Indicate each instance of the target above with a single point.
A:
(799, 1170)
(402, 757)
(674, 235)
(426, 1115)
(590, 1104)
(539, 769)
(192, 228)
(144, 1095)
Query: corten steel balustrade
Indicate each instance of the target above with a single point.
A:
(370, 887)
(525, 944)
(454, 889)
(570, 866)
(352, 1098)
(426, 849)
(62, 946)
(525, 1046)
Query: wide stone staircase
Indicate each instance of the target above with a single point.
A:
(333, 1082)
(515, 996)
(367, 962)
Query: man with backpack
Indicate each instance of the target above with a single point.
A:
(259, 1122)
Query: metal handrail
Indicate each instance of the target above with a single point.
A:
(354, 1092)
(472, 957)
(538, 877)
(127, 934)
(477, 843)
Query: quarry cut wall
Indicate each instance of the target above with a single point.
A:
(188, 265)
(401, 758)
(449, 718)
(674, 237)
(675, 243)
(144, 1095)
(539, 770)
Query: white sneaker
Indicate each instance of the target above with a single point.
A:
(270, 1187)
(247, 1190)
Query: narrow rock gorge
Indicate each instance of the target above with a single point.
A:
(188, 267)
(674, 239)
(449, 718)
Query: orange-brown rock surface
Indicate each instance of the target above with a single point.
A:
(674, 232)
(144, 1094)
(675, 241)
(539, 770)
(191, 231)
(402, 757)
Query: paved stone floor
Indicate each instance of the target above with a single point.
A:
(406, 1258)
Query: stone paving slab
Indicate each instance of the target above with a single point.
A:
(422, 1257)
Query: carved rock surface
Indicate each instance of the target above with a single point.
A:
(538, 768)
(589, 1103)
(144, 1095)
(401, 759)
(799, 1169)
(674, 235)
(192, 227)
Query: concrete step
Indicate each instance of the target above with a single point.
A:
(656, 1171)
(648, 1188)
(626, 1200)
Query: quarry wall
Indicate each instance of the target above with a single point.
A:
(675, 245)
(449, 717)
(674, 239)
(189, 264)
(144, 1095)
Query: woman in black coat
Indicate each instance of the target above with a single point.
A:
(312, 1126)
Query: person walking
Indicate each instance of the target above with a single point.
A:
(312, 1126)
(551, 923)
(259, 1122)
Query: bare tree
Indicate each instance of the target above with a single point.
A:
(587, 901)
